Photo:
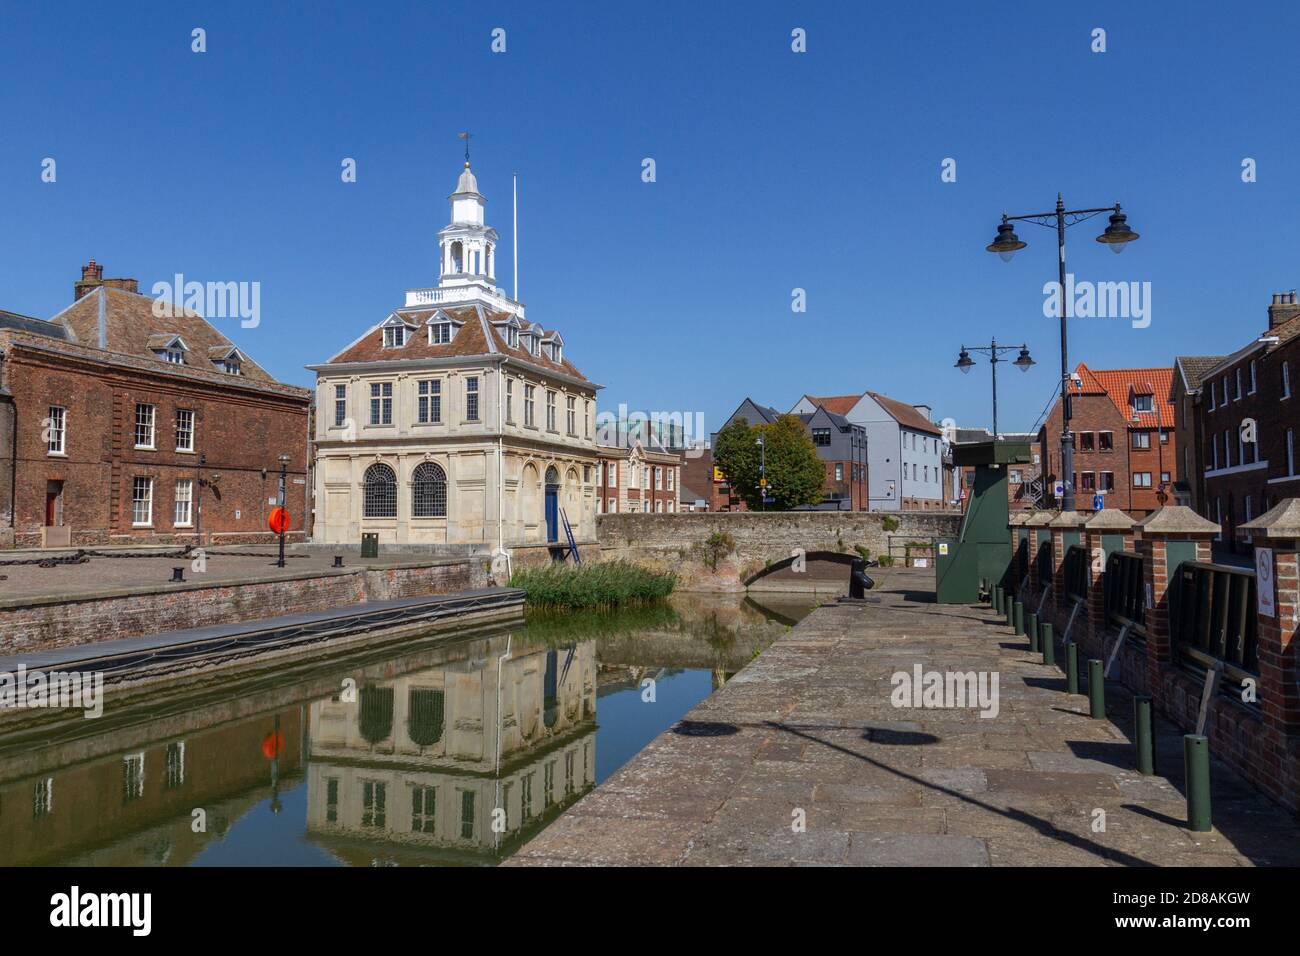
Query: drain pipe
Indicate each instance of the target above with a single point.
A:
(497, 774)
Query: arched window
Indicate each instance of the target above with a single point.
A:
(380, 498)
(425, 708)
(376, 713)
(457, 256)
(552, 476)
(429, 492)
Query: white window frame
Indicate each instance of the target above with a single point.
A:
(472, 399)
(185, 520)
(613, 506)
(1286, 380)
(340, 405)
(1254, 383)
(428, 401)
(148, 421)
(530, 406)
(138, 482)
(189, 430)
(672, 479)
(57, 443)
(1290, 451)
(394, 336)
(381, 414)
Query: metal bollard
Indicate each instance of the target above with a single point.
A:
(1196, 758)
(1018, 614)
(1009, 611)
(1048, 640)
(1144, 740)
(1072, 668)
(338, 560)
(997, 599)
(178, 574)
(1096, 690)
(1032, 628)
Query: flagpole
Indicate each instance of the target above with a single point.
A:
(514, 233)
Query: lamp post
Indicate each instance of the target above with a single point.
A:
(1007, 243)
(762, 473)
(284, 465)
(1022, 362)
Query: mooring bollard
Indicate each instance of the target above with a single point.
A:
(178, 574)
(1018, 614)
(1196, 757)
(1072, 668)
(1032, 628)
(1048, 640)
(1096, 689)
(338, 560)
(1144, 740)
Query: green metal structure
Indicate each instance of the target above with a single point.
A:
(981, 556)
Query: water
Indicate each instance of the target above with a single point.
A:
(446, 750)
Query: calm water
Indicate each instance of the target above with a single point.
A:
(403, 753)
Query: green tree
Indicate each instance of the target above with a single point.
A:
(795, 475)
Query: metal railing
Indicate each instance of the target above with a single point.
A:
(1075, 572)
(1124, 595)
(1213, 619)
(1044, 559)
(1021, 563)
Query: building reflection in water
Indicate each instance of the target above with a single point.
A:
(451, 751)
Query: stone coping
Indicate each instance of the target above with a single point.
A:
(1177, 519)
(1280, 521)
(1110, 519)
(1068, 520)
(1017, 519)
(1040, 519)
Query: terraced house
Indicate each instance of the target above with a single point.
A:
(119, 425)
(454, 420)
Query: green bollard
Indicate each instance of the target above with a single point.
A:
(1096, 690)
(1032, 628)
(1196, 758)
(1072, 668)
(1006, 606)
(1144, 740)
(1018, 611)
(997, 599)
(1048, 640)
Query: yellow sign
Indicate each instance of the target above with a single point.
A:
(717, 474)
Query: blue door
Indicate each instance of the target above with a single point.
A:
(552, 505)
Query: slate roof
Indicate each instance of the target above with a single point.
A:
(25, 323)
(1194, 367)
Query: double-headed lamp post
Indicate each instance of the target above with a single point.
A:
(993, 350)
(1117, 235)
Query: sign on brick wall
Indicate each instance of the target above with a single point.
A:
(1264, 581)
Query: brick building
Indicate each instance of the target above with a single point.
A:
(121, 426)
(1242, 480)
(637, 479)
(1189, 374)
(1124, 443)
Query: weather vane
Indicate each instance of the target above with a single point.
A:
(465, 136)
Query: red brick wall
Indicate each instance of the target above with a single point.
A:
(41, 625)
(240, 434)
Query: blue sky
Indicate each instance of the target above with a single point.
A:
(775, 171)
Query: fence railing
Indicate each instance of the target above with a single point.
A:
(1214, 620)
(1074, 570)
(1124, 594)
(1044, 559)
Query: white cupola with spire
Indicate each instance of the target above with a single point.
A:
(467, 255)
(468, 246)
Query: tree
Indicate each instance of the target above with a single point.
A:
(795, 474)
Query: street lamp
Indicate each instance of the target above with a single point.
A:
(762, 473)
(1007, 243)
(1022, 362)
(284, 519)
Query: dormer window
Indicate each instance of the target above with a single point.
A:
(440, 333)
(170, 348)
(1143, 403)
(175, 356)
(231, 366)
(512, 337)
(394, 336)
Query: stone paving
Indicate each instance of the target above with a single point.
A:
(809, 726)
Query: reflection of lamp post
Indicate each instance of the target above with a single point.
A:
(1006, 245)
(762, 473)
(284, 518)
(1022, 362)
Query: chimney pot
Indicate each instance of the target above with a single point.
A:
(1283, 310)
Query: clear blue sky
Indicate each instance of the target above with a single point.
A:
(775, 170)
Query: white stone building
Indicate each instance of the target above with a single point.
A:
(454, 419)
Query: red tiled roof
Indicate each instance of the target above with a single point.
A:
(905, 414)
(839, 404)
(470, 339)
(1122, 383)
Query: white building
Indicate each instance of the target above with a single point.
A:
(455, 420)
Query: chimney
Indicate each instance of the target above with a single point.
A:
(1282, 310)
(92, 277)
